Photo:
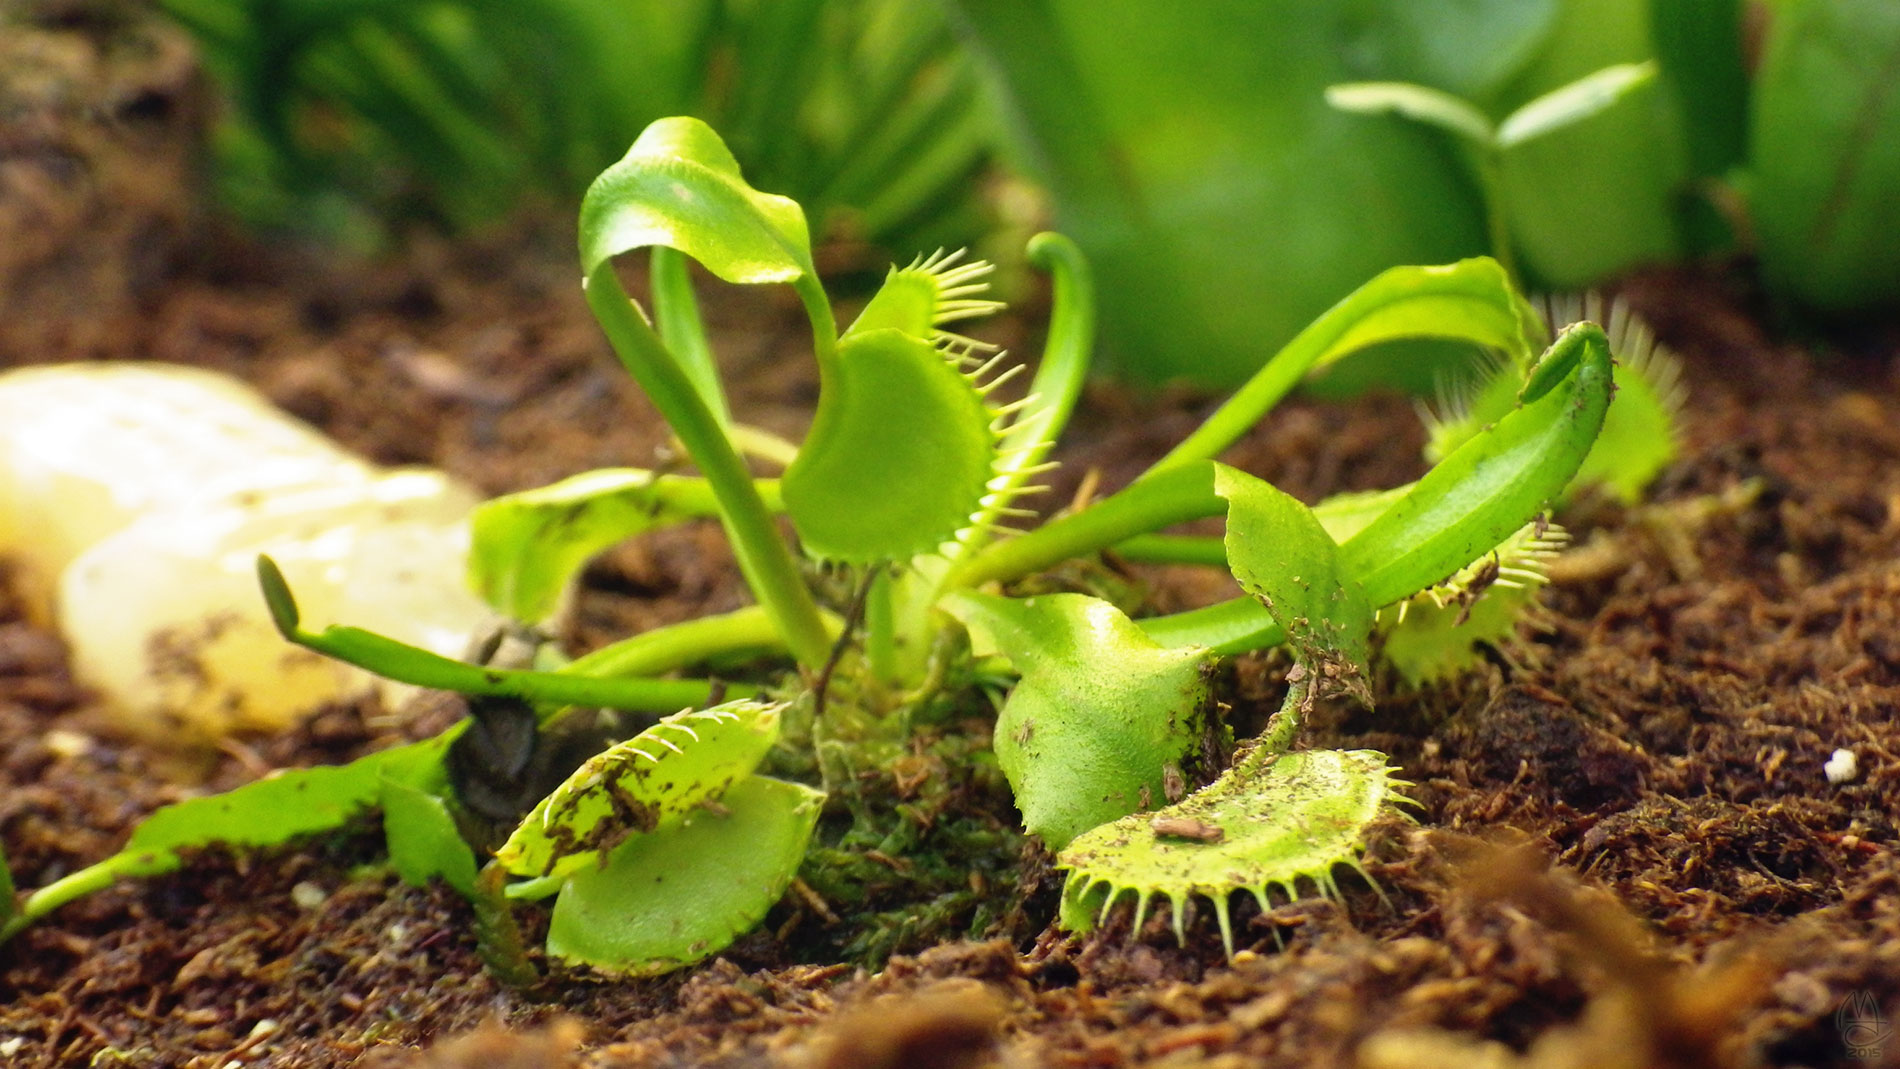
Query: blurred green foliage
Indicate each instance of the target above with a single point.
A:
(1190, 151)
(348, 113)
(1194, 145)
(1824, 166)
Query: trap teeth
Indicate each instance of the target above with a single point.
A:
(1294, 821)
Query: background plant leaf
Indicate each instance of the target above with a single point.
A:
(1824, 154)
(1594, 198)
(1420, 103)
(1466, 47)
(1190, 151)
(1589, 96)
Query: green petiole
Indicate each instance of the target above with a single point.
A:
(762, 555)
(419, 667)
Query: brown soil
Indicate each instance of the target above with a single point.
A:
(1711, 898)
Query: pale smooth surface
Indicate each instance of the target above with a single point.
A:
(135, 498)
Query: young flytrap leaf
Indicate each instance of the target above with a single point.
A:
(671, 897)
(932, 292)
(1102, 720)
(899, 456)
(640, 786)
(1284, 559)
(1640, 435)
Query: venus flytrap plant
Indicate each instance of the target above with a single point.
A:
(661, 847)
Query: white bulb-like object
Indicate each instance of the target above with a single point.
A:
(134, 501)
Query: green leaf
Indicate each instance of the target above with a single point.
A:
(1471, 300)
(1067, 349)
(1640, 433)
(1468, 503)
(899, 456)
(272, 810)
(676, 314)
(282, 806)
(644, 784)
(1281, 555)
(1699, 51)
(526, 547)
(1416, 102)
(1492, 485)
(423, 839)
(1570, 104)
(1261, 830)
(680, 187)
(1824, 145)
(1100, 716)
(669, 898)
